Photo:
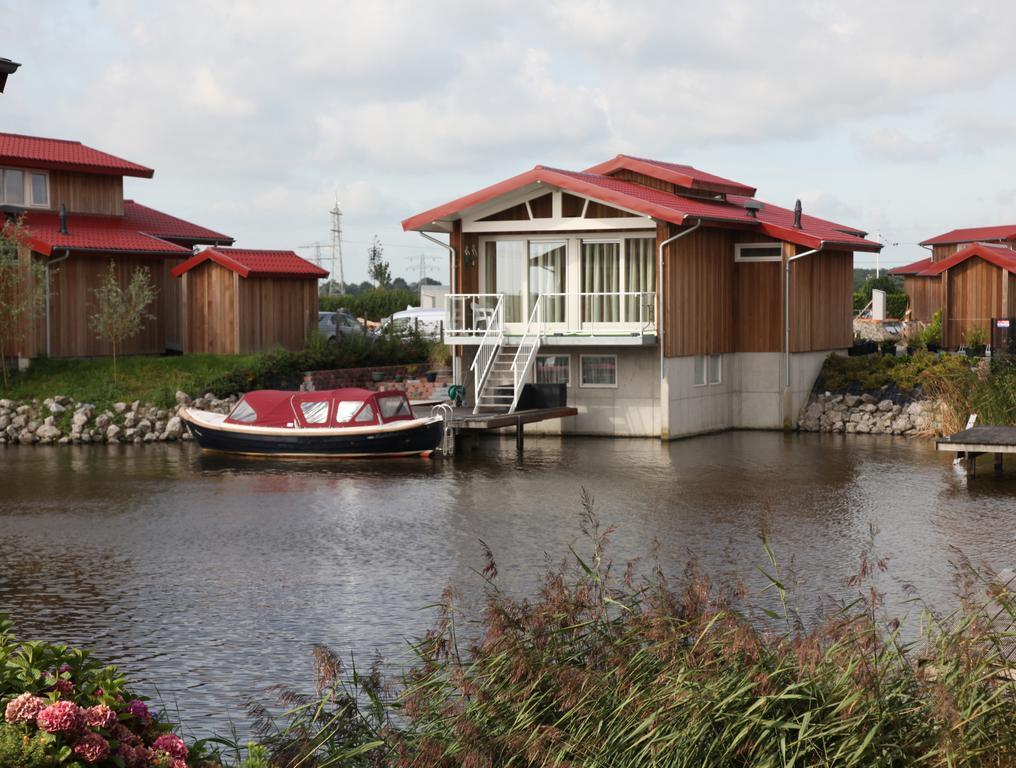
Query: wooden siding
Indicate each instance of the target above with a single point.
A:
(939, 252)
(925, 294)
(72, 302)
(226, 314)
(974, 296)
(172, 305)
(642, 180)
(86, 192)
(698, 293)
(821, 290)
(759, 306)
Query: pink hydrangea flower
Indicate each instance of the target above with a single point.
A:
(133, 755)
(65, 687)
(61, 717)
(138, 709)
(24, 708)
(100, 716)
(172, 745)
(92, 748)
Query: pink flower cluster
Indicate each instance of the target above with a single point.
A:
(100, 716)
(24, 709)
(172, 745)
(138, 709)
(91, 748)
(62, 717)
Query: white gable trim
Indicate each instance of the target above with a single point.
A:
(556, 223)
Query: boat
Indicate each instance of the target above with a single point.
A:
(337, 423)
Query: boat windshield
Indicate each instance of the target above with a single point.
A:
(394, 407)
(243, 412)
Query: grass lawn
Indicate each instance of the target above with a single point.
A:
(148, 379)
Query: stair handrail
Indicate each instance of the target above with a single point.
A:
(522, 363)
(490, 343)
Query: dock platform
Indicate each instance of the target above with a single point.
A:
(976, 441)
(462, 420)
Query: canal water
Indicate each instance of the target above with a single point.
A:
(210, 578)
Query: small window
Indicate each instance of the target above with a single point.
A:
(758, 252)
(394, 408)
(243, 413)
(366, 416)
(346, 409)
(40, 190)
(598, 371)
(14, 187)
(715, 369)
(553, 369)
(315, 412)
(700, 371)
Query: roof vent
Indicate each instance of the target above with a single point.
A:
(63, 219)
(797, 215)
(752, 207)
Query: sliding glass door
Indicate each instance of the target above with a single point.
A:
(503, 271)
(548, 277)
(601, 276)
(640, 259)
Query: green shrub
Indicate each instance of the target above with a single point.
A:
(20, 747)
(975, 336)
(932, 332)
(373, 304)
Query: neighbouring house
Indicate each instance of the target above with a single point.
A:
(72, 202)
(555, 280)
(238, 301)
(970, 277)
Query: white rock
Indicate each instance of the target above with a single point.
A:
(174, 428)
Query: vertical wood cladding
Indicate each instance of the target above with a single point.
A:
(925, 295)
(974, 296)
(714, 305)
(939, 252)
(86, 193)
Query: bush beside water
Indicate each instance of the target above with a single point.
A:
(604, 668)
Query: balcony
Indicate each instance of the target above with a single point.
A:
(607, 318)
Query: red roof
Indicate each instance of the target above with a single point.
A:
(104, 234)
(999, 255)
(912, 269)
(771, 220)
(682, 175)
(169, 227)
(974, 235)
(246, 262)
(60, 154)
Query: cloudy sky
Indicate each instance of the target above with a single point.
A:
(894, 117)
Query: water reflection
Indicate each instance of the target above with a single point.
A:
(210, 577)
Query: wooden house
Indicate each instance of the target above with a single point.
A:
(238, 301)
(71, 200)
(669, 301)
(970, 282)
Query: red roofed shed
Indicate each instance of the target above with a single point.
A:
(238, 301)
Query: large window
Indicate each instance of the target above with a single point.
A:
(24, 188)
(640, 263)
(553, 369)
(503, 266)
(601, 276)
(547, 278)
(598, 371)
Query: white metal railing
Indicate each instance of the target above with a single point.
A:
(573, 314)
(526, 353)
(490, 343)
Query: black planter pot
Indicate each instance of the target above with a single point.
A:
(431, 376)
(978, 351)
(933, 347)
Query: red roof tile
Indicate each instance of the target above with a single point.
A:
(912, 269)
(104, 234)
(682, 175)
(999, 255)
(169, 227)
(771, 220)
(246, 262)
(974, 235)
(61, 154)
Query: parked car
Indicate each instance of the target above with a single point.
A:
(429, 322)
(336, 325)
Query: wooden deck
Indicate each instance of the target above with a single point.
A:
(464, 419)
(976, 441)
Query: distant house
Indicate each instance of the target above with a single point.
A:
(970, 277)
(238, 301)
(43, 177)
(556, 279)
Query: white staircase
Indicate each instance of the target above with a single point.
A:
(500, 371)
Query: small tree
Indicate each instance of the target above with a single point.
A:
(122, 312)
(377, 267)
(22, 292)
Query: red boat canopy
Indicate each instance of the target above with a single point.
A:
(327, 408)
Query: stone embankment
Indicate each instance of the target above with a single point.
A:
(62, 421)
(869, 414)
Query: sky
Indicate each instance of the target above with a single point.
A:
(897, 118)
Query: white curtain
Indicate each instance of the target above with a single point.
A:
(502, 269)
(601, 273)
(641, 273)
(547, 276)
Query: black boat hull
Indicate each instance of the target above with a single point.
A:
(415, 441)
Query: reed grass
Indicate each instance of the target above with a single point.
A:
(601, 668)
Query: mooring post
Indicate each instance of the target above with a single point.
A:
(998, 463)
(971, 464)
(520, 441)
